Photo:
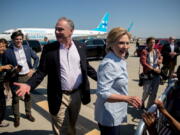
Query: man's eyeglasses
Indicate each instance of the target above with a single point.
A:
(123, 43)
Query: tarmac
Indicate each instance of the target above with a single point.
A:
(86, 125)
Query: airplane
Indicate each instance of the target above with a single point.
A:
(40, 33)
(130, 27)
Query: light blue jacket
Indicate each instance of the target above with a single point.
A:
(112, 79)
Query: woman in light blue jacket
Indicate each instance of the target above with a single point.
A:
(112, 85)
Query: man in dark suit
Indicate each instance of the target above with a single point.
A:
(19, 56)
(169, 52)
(65, 64)
(3, 68)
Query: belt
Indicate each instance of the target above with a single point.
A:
(23, 75)
(69, 92)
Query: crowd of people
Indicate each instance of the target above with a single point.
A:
(67, 69)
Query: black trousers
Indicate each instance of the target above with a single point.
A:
(2, 102)
(168, 69)
(105, 130)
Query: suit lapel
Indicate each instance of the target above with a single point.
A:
(13, 56)
(57, 60)
(57, 53)
(79, 48)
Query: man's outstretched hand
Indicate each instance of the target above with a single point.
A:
(22, 89)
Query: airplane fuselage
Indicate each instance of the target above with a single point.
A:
(40, 33)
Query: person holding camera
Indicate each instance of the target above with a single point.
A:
(3, 68)
(150, 59)
(20, 56)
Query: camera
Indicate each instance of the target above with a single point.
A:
(142, 78)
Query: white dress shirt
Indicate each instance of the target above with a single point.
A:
(71, 76)
(172, 47)
(21, 60)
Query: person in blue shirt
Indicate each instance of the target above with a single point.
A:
(112, 84)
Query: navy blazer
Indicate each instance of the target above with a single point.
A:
(10, 58)
(50, 66)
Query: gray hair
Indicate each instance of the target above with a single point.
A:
(69, 21)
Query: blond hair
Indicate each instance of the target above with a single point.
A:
(114, 35)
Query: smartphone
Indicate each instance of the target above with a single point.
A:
(19, 67)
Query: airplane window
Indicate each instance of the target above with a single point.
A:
(6, 33)
(89, 42)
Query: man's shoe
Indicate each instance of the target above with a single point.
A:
(3, 124)
(30, 117)
(16, 122)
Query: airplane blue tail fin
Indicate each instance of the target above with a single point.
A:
(103, 24)
(130, 26)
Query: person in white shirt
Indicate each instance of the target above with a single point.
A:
(170, 52)
(20, 55)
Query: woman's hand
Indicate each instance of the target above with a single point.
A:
(134, 101)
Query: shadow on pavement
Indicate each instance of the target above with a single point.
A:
(136, 80)
(83, 125)
(39, 91)
(30, 132)
(10, 116)
(93, 91)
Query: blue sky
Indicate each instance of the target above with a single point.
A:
(159, 18)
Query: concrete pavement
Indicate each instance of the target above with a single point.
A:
(86, 124)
